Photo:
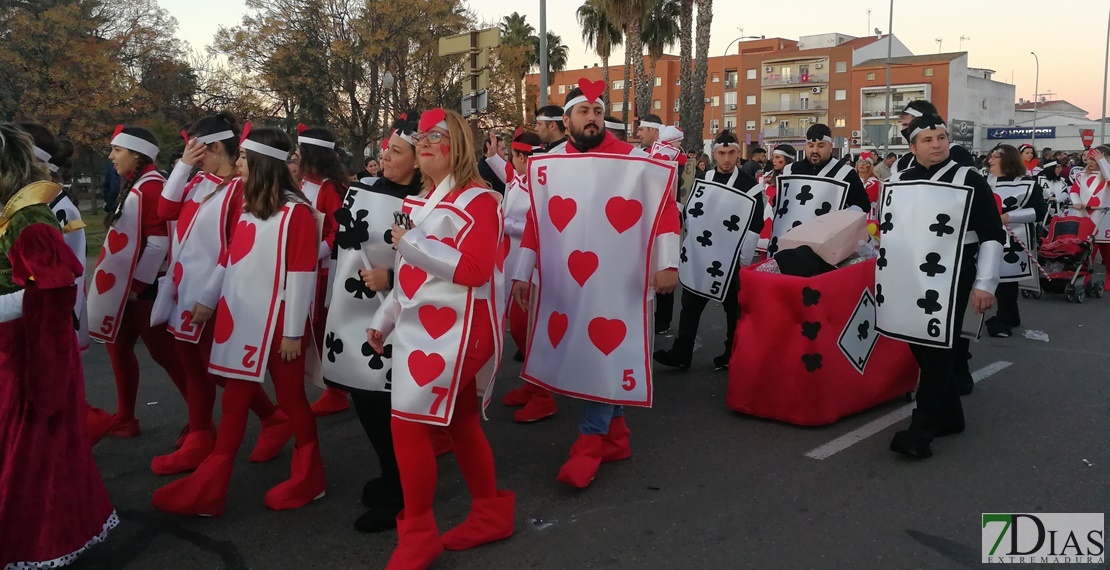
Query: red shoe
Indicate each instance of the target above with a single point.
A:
(99, 423)
(542, 405)
(273, 437)
(202, 493)
(489, 520)
(332, 401)
(306, 480)
(616, 445)
(519, 396)
(181, 437)
(441, 441)
(198, 446)
(418, 543)
(585, 458)
(124, 429)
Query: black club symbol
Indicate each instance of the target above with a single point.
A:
(864, 330)
(812, 362)
(810, 330)
(805, 195)
(941, 228)
(705, 239)
(377, 361)
(682, 255)
(1010, 203)
(63, 218)
(888, 223)
(354, 230)
(333, 345)
(358, 288)
(697, 210)
(882, 261)
(932, 266)
(824, 209)
(929, 303)
(773, 247)
(732, 224)
(715, 269)
(879, 298)
(784, 208)
(810, 297)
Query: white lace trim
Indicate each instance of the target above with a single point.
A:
(112, 522)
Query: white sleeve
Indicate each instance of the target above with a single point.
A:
(300, 291)
(385, 318)
(525, 265)
(324, 252)
(514, 228)
(150, 262)
(431, 255)
(747, 248)
(497, 164)
(11, 306)
(1023, 216)
(210, 296)
(174, 189)
(1104, 168)
(988, 266)
(665, 253)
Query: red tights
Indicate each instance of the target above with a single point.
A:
(412, 441)
(135, 324)
(201, 393)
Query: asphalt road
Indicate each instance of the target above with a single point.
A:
(705, 487)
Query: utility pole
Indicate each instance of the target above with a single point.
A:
(889, 47)
(543, 53)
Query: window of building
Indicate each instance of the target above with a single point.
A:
(657, 104)
(658, 81)
(618, 106)
(562, 89)
(618, 84)
(749, 125)
(928, 72)
(784, 124)
(841, 66)
(730, 123)
(752, 73)
(870, 75)
(716, 101)
(716, 78)
(730, 99)
(840, 122)
(730, 79)
(749, 100)
(840, 94)
(714, 126)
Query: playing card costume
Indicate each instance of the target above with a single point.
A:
(784, 154)
(723, 217)
(806, 190)
(603, 223)
(53, 504)
(1090, 198)
(919, 108)
(940, 235)
(1020, 198)
(262, 291)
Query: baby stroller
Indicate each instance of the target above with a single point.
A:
(1067, 257)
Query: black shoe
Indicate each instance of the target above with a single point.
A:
(519, 356)
(673, 358)
(911, 443)
(662, 329)
(721, 362)
(998, 330)
(380, 517)
(375, 489)
(965, 384)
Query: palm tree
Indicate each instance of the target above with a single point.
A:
(701, 69)
(517, 33)
(556, 55)
(660, 32)
(630, 15)
(600, 34)
(686, 101)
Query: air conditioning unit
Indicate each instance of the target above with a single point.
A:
(768, 69)
(773, 118)
(767, 121)
(816, 89)
(855, 142)
(707, 99)
(818, 65)
(813, 119)
(856, 134)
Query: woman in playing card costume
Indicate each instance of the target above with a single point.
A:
(202, 210)
(538, 402)
(322, 182)
(53, 505)
(865, 167)
(261, 292)
(444, 324)
(1023, 205)
(1029, 159)
(1090, 197)
(940, 250)
(363, 277)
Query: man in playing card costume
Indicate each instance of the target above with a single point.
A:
(444, 322)
(940, 241)
(261, 292)
(603, 231)
(723, 217)
(124, 283)
(550, 127)
(814, 186)
(920, 108)
(53, 505)
(650, 132)
(202, 213)
(363, 278)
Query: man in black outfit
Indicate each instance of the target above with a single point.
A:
(550, 127)
(818, 156)
(920, 108)
(757, 163)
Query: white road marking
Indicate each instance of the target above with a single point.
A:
(871, 428)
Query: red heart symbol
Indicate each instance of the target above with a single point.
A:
(224, 323)
(430, 118)
(437, 321)
(561, 211)
(104, 281)
(178, 271)
(623, 214)
(1093, 203)
(591, 89)
(116, 242)
(184, 135)
(242, 241)
(582, 265)
(119, 129)
(185, 217)
(411, 279)
(606, 334)
(425, 368)
(998, 202)
(557, 327)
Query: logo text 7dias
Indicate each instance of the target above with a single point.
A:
(1044, 538)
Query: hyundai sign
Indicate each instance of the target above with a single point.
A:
(1021, 133)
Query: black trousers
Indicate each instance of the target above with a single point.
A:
(689, 318)
(937, 394)
(375, 410)
(1007, 298)
(664, 310)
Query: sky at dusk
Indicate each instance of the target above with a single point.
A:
(1002, 34)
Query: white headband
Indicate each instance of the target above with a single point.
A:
(44, 157)
(211, 138)
(265, 149)
(781, 153)
(131, 142)
(912, 111)
(407, 137)
(918, 130)
(549, 119)
(825, 138)
(317, 142)
(724, 145)
(442, 125)
(615, 126)
(580, 99)
(651, 125)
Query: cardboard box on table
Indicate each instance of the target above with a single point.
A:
(834, 237)
(787, 363)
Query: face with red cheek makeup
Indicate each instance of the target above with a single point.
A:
(433, 150)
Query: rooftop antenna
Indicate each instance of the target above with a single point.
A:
(939, 40)
(962, 38)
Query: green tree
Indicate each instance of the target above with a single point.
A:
(660, 32)
(516, 32)
(600, 33)
(556, 56)
(630, 15)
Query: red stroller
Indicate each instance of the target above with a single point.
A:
(1067, 257)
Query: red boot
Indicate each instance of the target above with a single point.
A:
(616, 445)
(332, 401)
(542, 405)
(273, 437)
(520, 396)
(441, 442)
(489, 520)
(585, 458)
(198, 446)
(181, 437)
(202, 493)
(99, 423)
(306, 480)
(418, 543)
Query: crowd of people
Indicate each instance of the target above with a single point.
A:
(259, 255)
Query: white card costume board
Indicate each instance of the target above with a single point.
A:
(717, 220)
(800, 198)
(115, 269)
(921, 237)
(67, 212)
(663, 151)
(597, 217)
(858, 338)
(364, 239)
(1015, 262)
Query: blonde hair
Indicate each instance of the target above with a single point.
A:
(18, 166)
(464, 168)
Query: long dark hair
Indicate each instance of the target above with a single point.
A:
(1010, 161)
(60, 152)
(222, 121)
(127, 182)
(268, 179)
(320, 161)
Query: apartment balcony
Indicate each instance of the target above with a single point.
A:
(781, 133)
(730, 85)
(803, 106)
(730, 106)
(872, 113)
(777, 80)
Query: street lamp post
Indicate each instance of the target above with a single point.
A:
(387, 86)
(543, 53)
(1036, 93)
(889, 47)
(1105, 78)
